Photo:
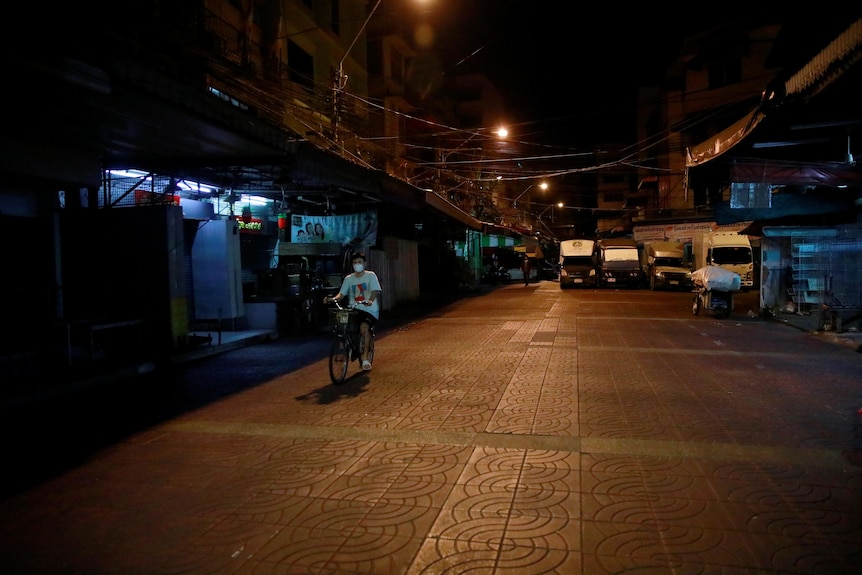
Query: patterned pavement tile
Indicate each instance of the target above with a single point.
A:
(530, 431)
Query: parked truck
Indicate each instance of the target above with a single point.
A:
(577, 263)
(729, 250)
(619, 263)
(665, 266)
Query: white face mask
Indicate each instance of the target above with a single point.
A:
(358, 268)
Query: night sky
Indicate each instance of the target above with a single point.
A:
(587, 92)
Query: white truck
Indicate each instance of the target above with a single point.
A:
(619, 263)
(665, 266)
(577, 263)
(729, 250)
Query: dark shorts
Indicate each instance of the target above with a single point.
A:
(365, 317)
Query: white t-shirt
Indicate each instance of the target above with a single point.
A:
(358, 289)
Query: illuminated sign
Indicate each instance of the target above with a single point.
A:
(145, 198)
(250, 225)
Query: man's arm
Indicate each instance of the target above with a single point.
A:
(330, 298)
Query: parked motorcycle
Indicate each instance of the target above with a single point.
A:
(496, 275)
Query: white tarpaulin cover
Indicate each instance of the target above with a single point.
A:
(722, 141)
(716, 278)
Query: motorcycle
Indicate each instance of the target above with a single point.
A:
(495, 275)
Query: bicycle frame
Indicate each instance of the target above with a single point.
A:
(347, 343)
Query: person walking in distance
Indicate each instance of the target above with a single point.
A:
(525, 267)
(361, 288)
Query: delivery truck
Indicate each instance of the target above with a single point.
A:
(577, 263)
(665, 266)
(619, 263)
(729, 250)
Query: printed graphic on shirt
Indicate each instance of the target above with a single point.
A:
(359, 291)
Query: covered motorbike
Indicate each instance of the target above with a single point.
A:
(496, 274)
(713, 290)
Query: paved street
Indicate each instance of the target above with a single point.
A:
(521, 431)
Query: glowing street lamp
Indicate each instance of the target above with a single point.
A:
(551, 207)
(443, 154)
(543, 185)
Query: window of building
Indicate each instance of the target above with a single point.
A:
(300, 66)
(375, 58)
(397, 64)
(336, 17)
(750, 195)
(725, 73)
(227, 98)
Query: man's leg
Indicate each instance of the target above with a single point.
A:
(366, 344)
(363, 332)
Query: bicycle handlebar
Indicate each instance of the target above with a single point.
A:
(355, 305)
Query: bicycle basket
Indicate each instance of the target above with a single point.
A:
(343, 320)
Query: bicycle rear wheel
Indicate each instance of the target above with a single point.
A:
(339, 357)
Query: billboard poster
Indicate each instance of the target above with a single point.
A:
(356, 230)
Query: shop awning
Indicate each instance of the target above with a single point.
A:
(449, 209)
(821, 71)
(531, 247)
(722, 141)
(787, 174)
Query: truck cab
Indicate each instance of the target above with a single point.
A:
(577, 264)
(619, 263)
(733, 252)
(665, 266)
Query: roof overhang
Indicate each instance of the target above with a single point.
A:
(833, 68)
(722, 141)
(780, 173)
(451, 210)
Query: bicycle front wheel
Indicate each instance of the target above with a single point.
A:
(339, 357)
(371, 347)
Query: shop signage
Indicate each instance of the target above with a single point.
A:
(145, 198)
(250, 225)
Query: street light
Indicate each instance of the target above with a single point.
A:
(551, 207)
(543, 185)
(340, 79)
(501, 133)
(443, 154)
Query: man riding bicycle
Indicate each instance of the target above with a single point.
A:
(362, 288)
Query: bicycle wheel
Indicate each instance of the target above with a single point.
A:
(339, 357)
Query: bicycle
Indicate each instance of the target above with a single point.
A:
(347, 345)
